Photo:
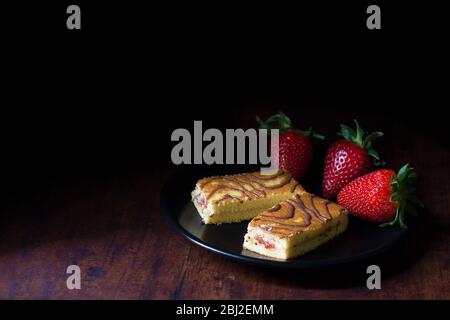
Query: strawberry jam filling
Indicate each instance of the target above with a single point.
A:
(201, 201)
(266, 244)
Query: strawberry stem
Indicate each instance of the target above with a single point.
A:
(402, 193)
(278, 121)
(311, 133)
(359, 138)
(283, 123)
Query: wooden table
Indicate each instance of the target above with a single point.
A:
(112, 227)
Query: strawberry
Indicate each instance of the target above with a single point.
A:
(381, 196)
(295, 146)
(296, 153)
(348, 158)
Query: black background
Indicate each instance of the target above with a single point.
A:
(106, 98)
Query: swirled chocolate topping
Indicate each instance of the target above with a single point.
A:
(246, 186)
(277, 208)
(294, 186)
(323, 216)
(327, 213)
(293, 215)
(223, 186)
(268, 177)
(227, 196)
(286, 179)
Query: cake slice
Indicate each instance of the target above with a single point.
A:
(240, 197)
(295, 226)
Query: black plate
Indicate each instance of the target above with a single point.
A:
(361, 240)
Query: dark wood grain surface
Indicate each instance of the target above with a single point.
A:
(112, 227)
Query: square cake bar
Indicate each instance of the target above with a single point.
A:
(295, 226)
(240, 197)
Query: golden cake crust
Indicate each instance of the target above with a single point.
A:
(247, 186)
(302, 213)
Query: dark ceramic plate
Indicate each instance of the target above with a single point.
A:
(361, 240)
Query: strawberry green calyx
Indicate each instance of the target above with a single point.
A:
(363, 140)
(311, 133)
(278, 121)
(283, 123)
(403, 194)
